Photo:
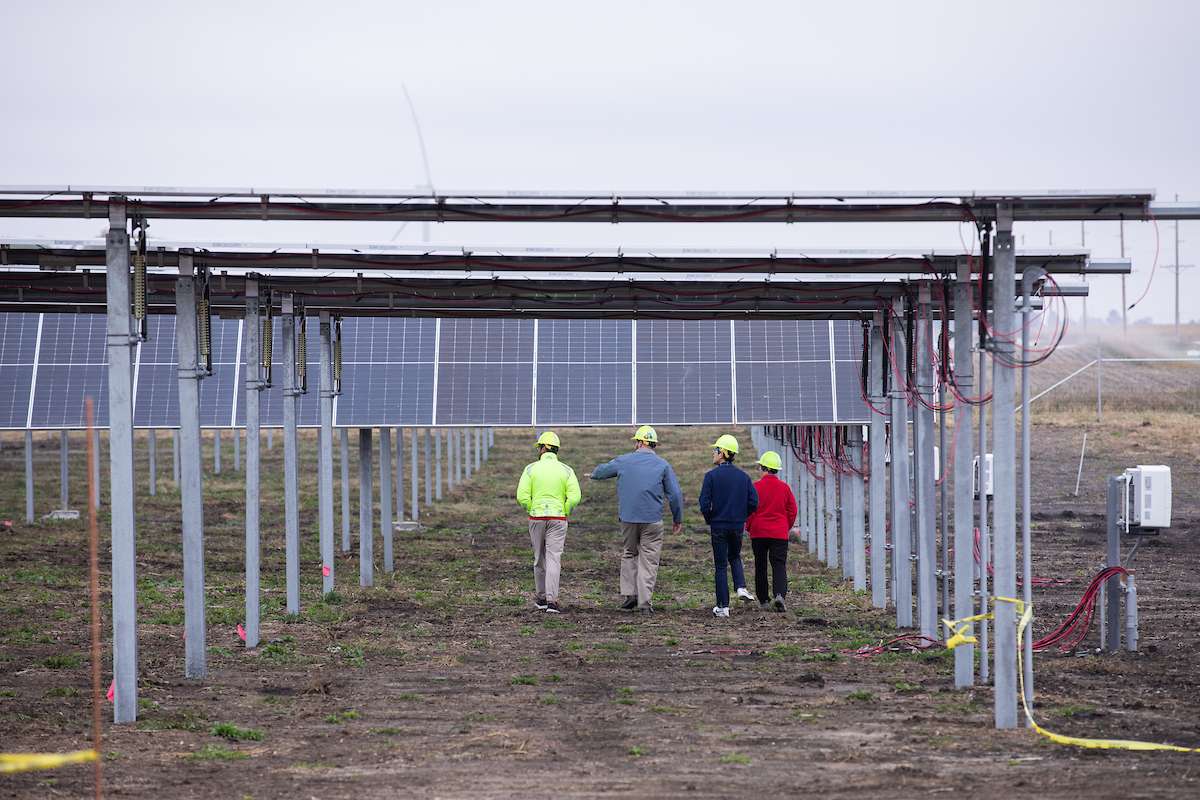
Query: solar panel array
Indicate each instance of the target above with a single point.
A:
(408, 371)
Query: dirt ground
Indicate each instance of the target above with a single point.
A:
(443, 681)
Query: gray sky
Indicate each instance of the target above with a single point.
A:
(621, 95)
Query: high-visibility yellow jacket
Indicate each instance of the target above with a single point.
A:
(548, 489)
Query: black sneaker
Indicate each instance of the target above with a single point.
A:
(646, 609)
(630, 603)
(540, 603)
(552, 608)
(778, 603)
(764, 606)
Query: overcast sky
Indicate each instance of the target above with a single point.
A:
(798, 96)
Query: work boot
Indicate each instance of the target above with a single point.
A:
(630, 603)
(778, 604)
(645, 609)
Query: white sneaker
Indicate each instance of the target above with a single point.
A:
(718, 611)
(744, 594)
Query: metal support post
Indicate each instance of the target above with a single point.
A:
(491, 438)
(943, 509)
(455, 446)
(414, 471)
(437, 465)
(1004, 463)
(926, 495)
(344, 442)
(901, 482)
(1110, 640)
(985, 534)
(877, 483)
(174, 456)
(366, 538)
(819, 511)
(252, 343)
(64, 475)
(325, 455)
(95, 467)
(191, 488)
(291, 471)
(270, 438)
(29, 476)
(152, 446)
(846, 511)
(237, 450)
(120, 343)
(1027, 279)
(426, 435)
(216, 451)
(478, 448)
(387, 526)
(964, 533)
(858, 544)
(802, 502)
(465, 455)
(831, 518)
(399, 434)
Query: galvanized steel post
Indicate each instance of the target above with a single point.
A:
(325, 454)
(902, 583)
(964, 532)
(252, 343)
(926, 496)
(291, 472)
(366, 528)
(877, 484)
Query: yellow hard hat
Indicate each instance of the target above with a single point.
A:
(549, 438)
(771, 460)
(645, 434)
(726, 442)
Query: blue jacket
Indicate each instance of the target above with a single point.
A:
(642, 479)
(727, 497)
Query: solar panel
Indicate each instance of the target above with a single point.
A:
(18, 345)
(387, 372)
(683, 372)
(783, 371)
(584, 372)
(270, 409)
(398, 371)
(484, 372)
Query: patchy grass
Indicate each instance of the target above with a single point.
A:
(735, 758)
(524, 680)
(233, 733)
(215, 752)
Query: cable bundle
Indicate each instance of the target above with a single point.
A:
(1074, 629)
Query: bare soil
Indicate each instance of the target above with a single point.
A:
(444, 681)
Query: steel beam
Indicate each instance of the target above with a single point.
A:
(191, 487)
(832, 543)
(985, 538)
(1110, 603)
(325, 455)
(252, 343)
(478, 448)
(366, 527)
(387, 527)
(964, 433)
(291, 471)
(174, 455)
(925, 491)
(1004, 464)
(822, 518)
(120, 344)
(216, 451)
(237, 450)
(877, 484)
(846, 512)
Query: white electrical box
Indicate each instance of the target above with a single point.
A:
(1148, 490)
(988, 481)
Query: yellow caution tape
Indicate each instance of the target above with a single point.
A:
(23, 762)
(959, 627)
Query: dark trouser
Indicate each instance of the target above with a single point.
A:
(727, 555)
(775, 551)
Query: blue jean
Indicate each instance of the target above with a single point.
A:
(727, 554)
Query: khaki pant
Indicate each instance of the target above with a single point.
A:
(547, 537)
(639, 559)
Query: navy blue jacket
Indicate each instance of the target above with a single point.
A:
(727, 497)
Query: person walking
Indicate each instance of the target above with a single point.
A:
(768, 527)
(643, 479)
(727, 498)
(548, 491)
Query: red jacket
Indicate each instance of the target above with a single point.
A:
(776, 511)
